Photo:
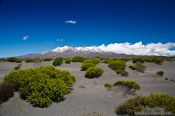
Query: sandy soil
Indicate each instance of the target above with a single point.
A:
(89, 95)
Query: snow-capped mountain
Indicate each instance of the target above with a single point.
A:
(68, 51)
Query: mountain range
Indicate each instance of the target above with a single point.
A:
(68, 51)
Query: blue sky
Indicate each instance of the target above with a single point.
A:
(30, 26)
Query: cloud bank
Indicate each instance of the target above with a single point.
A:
(71, 22)
(156, 49)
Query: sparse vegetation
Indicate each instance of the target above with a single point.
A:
(85, 66)
(160, 73)
(139, 102)
(57, 62)
(41, 86)
(108, 86)
(94, 72)
(138, 67)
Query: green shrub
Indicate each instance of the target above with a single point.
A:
(160, 73)
(128, 84)
(6, 91)
(41, 86)
(138, 67)
(47, 59)
(117, 65)
(14, 59)
(85, 66)
(94, 72)
(3, 60)
(139, 102)
(68, 60)
(18, 66)
(78, 59)
(138, 60)
(156, 60)
(57, 61)
(108, 86)
(93, 61)
(27, 60)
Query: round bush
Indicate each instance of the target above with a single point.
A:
(68, 61)
(85, 66)
(41, 86)
(57, 61)
(78, 59)
(117, 65)
(93, 61)
(94, 72)
(138, 103)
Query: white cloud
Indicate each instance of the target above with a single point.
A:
(140, 49)
(26, 37)
(157, 49)
(71, 22)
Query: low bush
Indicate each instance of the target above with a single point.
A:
(138, 103)
(128, 84)
(78, 59)
(93, 61)
(6, 91)
(3, 60)
(138, 67)
(160, 73)
(68, 60)
(41, 86)
(28, 60)
(14, 59)
(108, 86)
(47, 59)
(94, 72)
(18, 67)
(117, 65)
(138, 60)
(57, 62)
(85, 66)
